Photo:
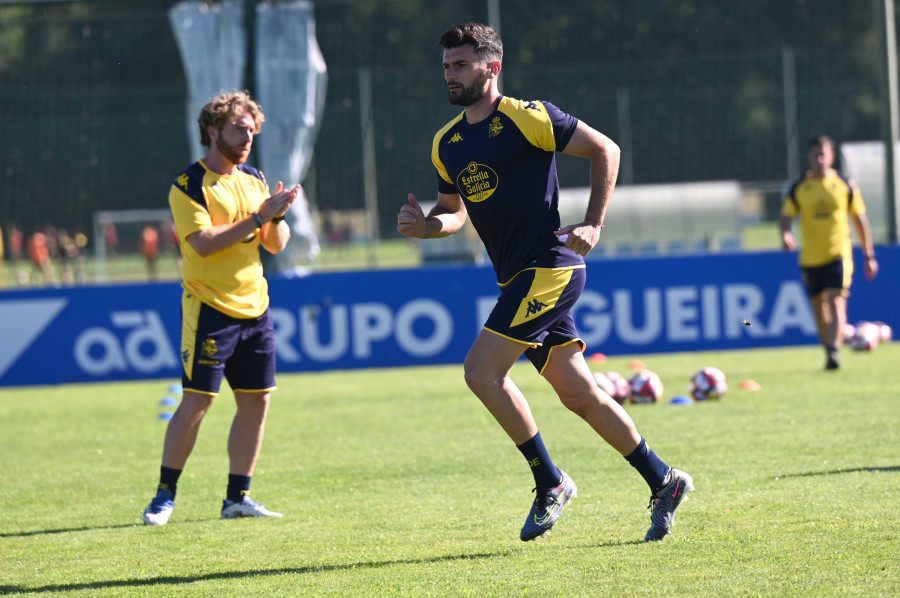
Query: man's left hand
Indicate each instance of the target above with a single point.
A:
(582, 238)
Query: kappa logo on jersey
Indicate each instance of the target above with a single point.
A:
(185, 356)
(182, 181)
(532, 106)
(495, 128)
(477, 182)
(456, 137)
(534, 307)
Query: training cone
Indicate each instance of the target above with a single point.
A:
(749, 385)
(598, 358)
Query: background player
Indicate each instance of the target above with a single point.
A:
(823, 199)
(222, 213)
(496, 164)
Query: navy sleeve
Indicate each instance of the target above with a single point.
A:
(444, 186)
(563, 125)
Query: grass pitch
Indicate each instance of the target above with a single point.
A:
(398, 483)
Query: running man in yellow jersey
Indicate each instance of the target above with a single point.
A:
(223, 211)
(823, 199)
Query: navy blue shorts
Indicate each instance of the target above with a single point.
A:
(833, 275)
(214, 345)
(535, 309)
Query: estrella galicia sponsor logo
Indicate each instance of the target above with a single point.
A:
(477, 182)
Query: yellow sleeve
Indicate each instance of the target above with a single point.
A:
(532, 120)
(190, 216)
(857, 206)
(789, 208)
(436, 149)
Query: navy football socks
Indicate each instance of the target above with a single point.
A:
(238, 486)
(168, 479)
(546, 474)
(651, 467)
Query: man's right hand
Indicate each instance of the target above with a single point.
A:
(278, 205)
(411, 219)
(787, 241)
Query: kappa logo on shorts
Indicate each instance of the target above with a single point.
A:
(534, 307)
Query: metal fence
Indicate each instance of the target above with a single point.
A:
(93, 94)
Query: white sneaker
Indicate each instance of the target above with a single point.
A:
(160, 508)
(245, 508)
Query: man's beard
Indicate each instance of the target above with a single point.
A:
(466, 96)
(233, 153)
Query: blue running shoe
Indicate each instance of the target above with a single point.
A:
(245, 508)
(160, 508)
(665, 502)
(548, 504)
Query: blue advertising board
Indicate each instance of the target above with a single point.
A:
(390, 318)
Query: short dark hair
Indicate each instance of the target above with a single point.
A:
(228, 107)
(821, 141)
(484, 39)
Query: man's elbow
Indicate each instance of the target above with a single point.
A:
(276, 247)
(200, 245)
(612, 150)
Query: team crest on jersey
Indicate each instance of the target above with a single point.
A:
(822, 211)
(495, 127)
(477, 182)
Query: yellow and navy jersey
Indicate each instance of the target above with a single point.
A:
(823, 205)
(504, 168)
(230, 280)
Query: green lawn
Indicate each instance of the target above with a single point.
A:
(397, 482)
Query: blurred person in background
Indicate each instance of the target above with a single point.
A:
(824, 199)
(16, 253)
(150, 249)
(496, 164)
(223, 212)
(68, 253)
(39, 254)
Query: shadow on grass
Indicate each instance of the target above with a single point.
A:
(807, 474)
(69, 530)
(173, 580)
(65, 530)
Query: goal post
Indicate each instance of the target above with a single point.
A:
(132, 219)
